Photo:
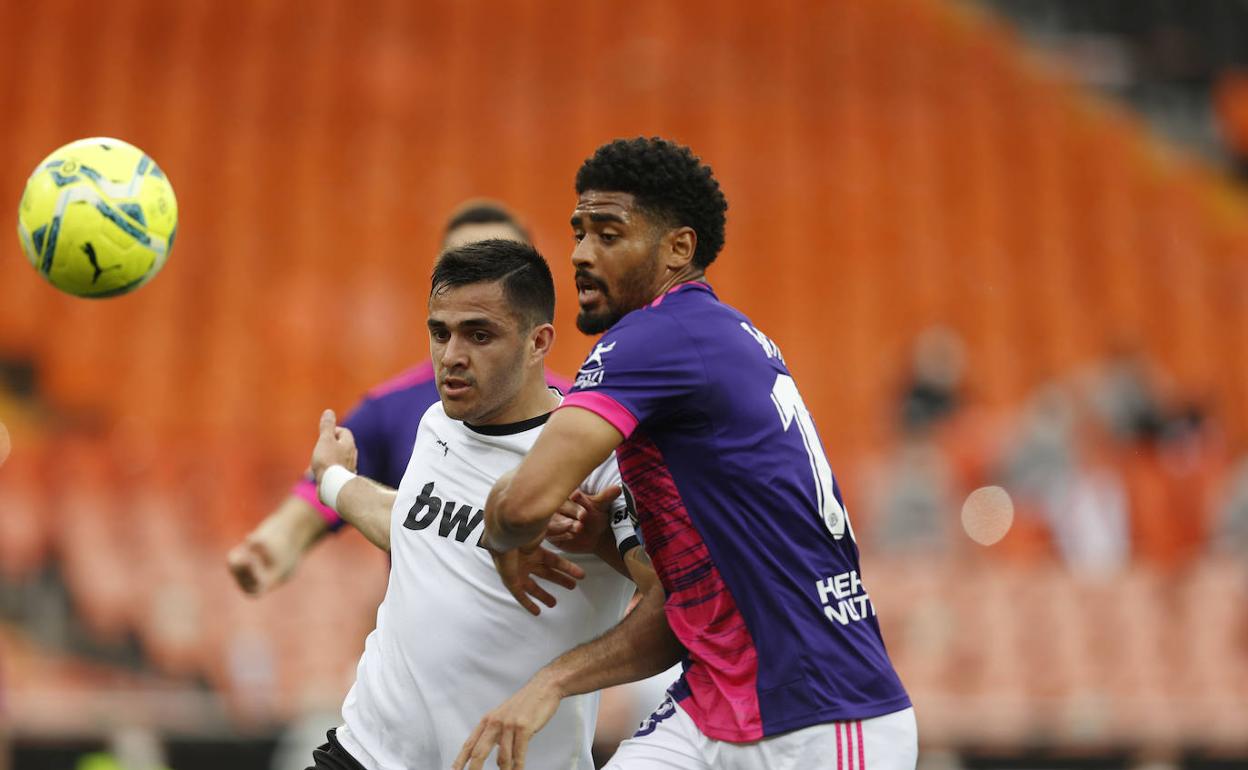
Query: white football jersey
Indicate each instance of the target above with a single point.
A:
(451, 643)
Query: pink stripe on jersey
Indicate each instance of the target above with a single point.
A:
(839, 749)
(306, 489)
(722, 676)
(605, 407)
(408, 378)
(862, 756)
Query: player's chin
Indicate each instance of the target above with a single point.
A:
(595, 321)
(469, 409)
(458, 408)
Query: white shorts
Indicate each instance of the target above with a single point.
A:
(669, 740)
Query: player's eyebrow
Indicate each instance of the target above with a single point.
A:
(598, 218)
(479, 322)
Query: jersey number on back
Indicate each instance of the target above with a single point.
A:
(792, 409)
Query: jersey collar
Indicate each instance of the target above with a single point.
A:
(510, 428)
(686, 286)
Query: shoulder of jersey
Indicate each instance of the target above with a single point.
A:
(641, 317)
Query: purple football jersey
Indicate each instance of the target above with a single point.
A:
(742, 518)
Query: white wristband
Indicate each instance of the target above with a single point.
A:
(333, 480)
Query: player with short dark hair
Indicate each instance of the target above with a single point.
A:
(520, 270)
(384, 424)
(449, 641)
(784, 664)
(481, 219)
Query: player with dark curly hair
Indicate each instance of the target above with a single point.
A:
(784, 664)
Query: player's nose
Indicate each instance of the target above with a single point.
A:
(455, 353)
(583, 255)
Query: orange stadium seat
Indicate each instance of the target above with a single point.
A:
(890, 166)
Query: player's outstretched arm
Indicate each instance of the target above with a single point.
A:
(366, 505)
(519, 507)
(361, 502)
(268, 556)
(640, 646)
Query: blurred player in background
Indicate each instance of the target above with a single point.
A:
(449, 641)
(785, 666)
(384, 425)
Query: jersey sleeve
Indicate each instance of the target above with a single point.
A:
(640, 370)
(623, 515)
(365, 424)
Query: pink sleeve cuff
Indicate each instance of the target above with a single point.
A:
(605, 407)
(306, 489)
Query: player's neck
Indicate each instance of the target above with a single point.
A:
(534, 400)
(689, 273)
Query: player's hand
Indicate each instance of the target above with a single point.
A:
(520, 566)
(259, 564)
(566, 524)
(510, 726)
(579, 523)
(334, 446)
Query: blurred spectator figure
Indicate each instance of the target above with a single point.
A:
(932, 394)
(1192, 461)
(1231, 533)
(911, 492)
(1039, 470)
(1124, 396)
(1089, 513)
(1230, 100)
(1042, 463)
(252, 671)
(912, 500)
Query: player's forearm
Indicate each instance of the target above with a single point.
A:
(641, 646)
(573, 443)
(514, 519)
(295, 523)
(365, 505)
(609, 551)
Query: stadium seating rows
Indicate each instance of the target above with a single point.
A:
(992, 649)
(890, 165)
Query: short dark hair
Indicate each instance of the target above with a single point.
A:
(668, 181)
(481, 211)
(523, 272)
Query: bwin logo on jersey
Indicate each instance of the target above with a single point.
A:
(458, 521)
(592, 371)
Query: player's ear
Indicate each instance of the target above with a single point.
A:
(542, 338)
(680, 245)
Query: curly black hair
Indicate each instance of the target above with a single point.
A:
(668, 181)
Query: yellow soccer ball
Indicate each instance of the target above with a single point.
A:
(97, 218)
